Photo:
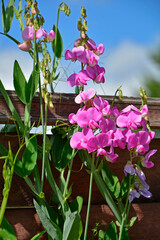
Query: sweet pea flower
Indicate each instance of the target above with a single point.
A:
(91, 57)
(119, 139)
(100, 49)
(25, 46)
(28, 33)
(49, 37)
(89, 118)
(107, 125)
(129, 168)
(79, 139)
(102, 105)
(78, 79)
(133, 194)
(96, 73)
(129, 117)
(84, 96)
(97, 143)
(145, 161)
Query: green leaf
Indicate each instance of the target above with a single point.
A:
(111, 180)
(32, 84)
(29, 157)
(124, 186)
(25, 90)
(72, 228)
(101, 235)
(132, 221)
(11, 107)
(111, 232)
(77, 204)
(61, 151)
(3, 15)
(9, 15)
(57, 44)
(37, 236)
(6, 231)
(51, 228)
(125, 235)
(20, 83)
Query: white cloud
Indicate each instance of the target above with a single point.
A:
(8, 56)
(125, 65)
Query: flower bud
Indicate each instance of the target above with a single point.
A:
(25, 46)
(83, 12)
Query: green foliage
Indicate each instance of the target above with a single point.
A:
(61, 151)
(51, 228)
(6, 231)
(72, 228)
(57, 44)
(111, 232)
(77, 204)
(124, 186)
(29, 157)
(7, 15)
(37, 236)
(25, 90)
(111, 180)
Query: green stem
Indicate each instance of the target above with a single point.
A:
(104, 191)
(89, 196)
(44, 147)
(69, 173)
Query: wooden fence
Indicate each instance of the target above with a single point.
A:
(20, 212)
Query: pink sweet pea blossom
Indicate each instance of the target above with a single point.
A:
(25, 46)
(107, 125)
(79, 139)
(102, 105)
(28, 34)
(96, 73)
(100, 49)
(145, 161)
(129, 117)
(49, 37)
(78, 79)
(89, 118)
(84, 96)
(119, 139)
(91, 58)
(97, 143)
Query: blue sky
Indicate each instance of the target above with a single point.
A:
(129, 29)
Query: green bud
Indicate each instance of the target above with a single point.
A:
(83, 12)
(79, 24)
(120, 94)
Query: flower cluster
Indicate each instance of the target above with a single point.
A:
(86, 52)
(28, 36)
(104, 129)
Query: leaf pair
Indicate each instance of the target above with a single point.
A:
(111, 233)
(25, 90)
(7, 15)
(72, 228)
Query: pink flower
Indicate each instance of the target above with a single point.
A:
(28, 33)
(89, 118)
(78, 79)
(79, 139)
(91, 58)
(145, 161)
(25, 46)
(97, 143)
(96, 73)
(129, 117)
(84, 96)
(102, 105)
(144, 110)
(107, 125)
(119, 139)
(100, 49)
(49, 37)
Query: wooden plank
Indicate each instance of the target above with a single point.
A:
(27, 224)
(64, 104)
(21, 195)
